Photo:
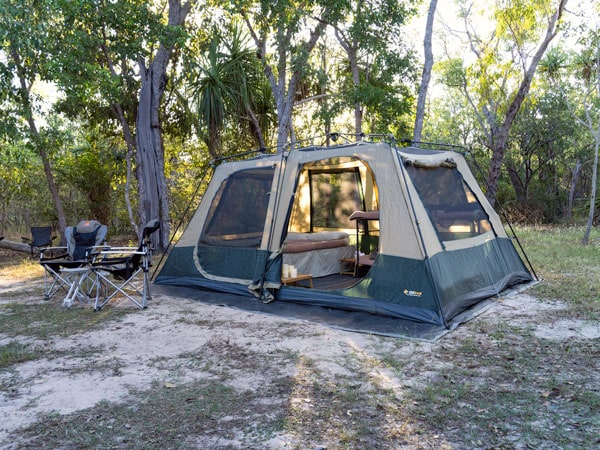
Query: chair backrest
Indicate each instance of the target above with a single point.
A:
(41, 236)
(150, 228)
(85, 234)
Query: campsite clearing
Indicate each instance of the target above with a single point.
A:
(183, 374)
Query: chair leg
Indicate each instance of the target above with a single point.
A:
(53, 282)
(122, 289)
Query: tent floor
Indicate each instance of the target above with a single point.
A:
(360, 322)
(334, 282)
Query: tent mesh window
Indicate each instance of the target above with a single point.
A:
(238, 211)
(334, 195)
(453, 207)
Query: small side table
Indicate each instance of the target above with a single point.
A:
(293, 281)
(75, 276)
(348, 266)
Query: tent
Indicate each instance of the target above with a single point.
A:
(423, 243)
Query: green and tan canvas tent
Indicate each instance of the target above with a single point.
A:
(396, 231)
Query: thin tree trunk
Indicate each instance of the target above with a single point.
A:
(255, 128)
(426, 76)
(500, 140)
(575, 173)
(590, 222)
(40, 146)
(518, 185)
(130, 142)
(596, 136)
(358, 112)
(127, 136)
(284, 99)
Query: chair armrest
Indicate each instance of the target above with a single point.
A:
(50, 251)
(105, 255)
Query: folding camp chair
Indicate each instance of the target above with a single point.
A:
(41, 237)
(118, 270)
(60, 271)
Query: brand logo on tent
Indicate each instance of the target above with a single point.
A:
(412, 293)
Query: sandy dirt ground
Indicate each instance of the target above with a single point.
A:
(151, 346)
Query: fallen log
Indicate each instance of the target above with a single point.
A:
(17, 246)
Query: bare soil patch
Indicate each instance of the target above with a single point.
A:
(182, 374)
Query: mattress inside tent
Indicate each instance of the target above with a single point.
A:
(318, 254)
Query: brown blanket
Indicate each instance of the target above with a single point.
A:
(306, 242)
(300, 246)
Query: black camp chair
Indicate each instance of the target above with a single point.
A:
(58, 269)
(41, 237)
(118, 270)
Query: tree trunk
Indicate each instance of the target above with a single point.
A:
(127, 135)
(40, 146)
(130, 142)
(596, 136)
(575, 173)
(358, 112)
(518, 185)
(255, 129)
(152, 182)
(283, 92)
(426, 76)
(590, 222)
(500, 139)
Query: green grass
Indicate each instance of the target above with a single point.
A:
(199, 414)
(16, 353)
(570, 271)
(45, 320)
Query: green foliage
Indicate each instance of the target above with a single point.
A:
(370, 33)
(228, 88)
(94, 61)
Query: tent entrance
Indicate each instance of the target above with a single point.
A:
(321, 239)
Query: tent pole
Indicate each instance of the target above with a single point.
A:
(271, 225)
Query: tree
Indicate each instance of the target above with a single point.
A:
(370, 37)
(150, 156)
(426, 75)
(24, 34)
(543, 158)
(227, 85)
(92, 63)
(283, 25)
(101, 43)
(497, 83)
